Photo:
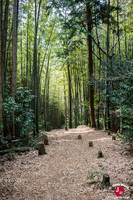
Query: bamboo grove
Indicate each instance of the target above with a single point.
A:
(66, 63)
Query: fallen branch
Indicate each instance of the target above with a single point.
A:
(21, 149)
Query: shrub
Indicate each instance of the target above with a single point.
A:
(3, 142)
(23, 113)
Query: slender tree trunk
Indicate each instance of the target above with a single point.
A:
(14, 59)
(3, 62)
(125, 43)
(99, 74)
(65, 105)
(85, 93)
(90, 65)
(38, 87)
(4, 40)
(70, 96)
(118, 32)
(21, 60)
(36, 131)
(76, 97)
(46, 95)
(35, 68)
(107, 72)
(80, 100)
(79, 111)
(27, 47)
(84, 96)
(37, 94)
(47, 105)
(1, 69)
(7, 55)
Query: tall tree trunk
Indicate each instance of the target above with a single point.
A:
(107, 72)
(4, 40)
(79, 109)
(14, 57)
(35, 69)
(85, 93)
(118, 32)
(7, 55)
(38, 88)
(76, 97)
(99, 74)
(46, 95)
(22, 59)
(1, 69)
(65, 105)
(36, 130)
(27, 46)
(90, 65)
(3, 62)
(70, 96)
(125, 43)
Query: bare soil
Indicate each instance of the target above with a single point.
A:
(61, 174)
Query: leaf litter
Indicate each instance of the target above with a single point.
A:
(61, 174)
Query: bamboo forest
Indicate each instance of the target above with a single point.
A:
(66, 93)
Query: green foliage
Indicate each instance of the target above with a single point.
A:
(11, 155)
(23, 113)
(3, 142)
(48, 126)
(127, 136)
(124, 98)
(27, 141)
(9, 106)
(92, 173)
(1, 127)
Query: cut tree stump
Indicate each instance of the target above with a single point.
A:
(41, 148)
(106, 179)
(113, 137)
(45, 137)
(109, 133)
(90, 144)
(100, 154)
(66, 128)
(79, 137)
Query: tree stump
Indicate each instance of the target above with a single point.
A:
(90, 144)
(100, 154)
(45, 137)
(41, 148)
(106, 179)
(66, 128)
(113, 137)
(109, 133)
(79, 137)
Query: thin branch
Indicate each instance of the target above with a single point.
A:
(102, 49)
(98, 57)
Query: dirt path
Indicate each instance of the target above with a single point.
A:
(62, 173)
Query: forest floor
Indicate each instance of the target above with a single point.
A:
(61, 174)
